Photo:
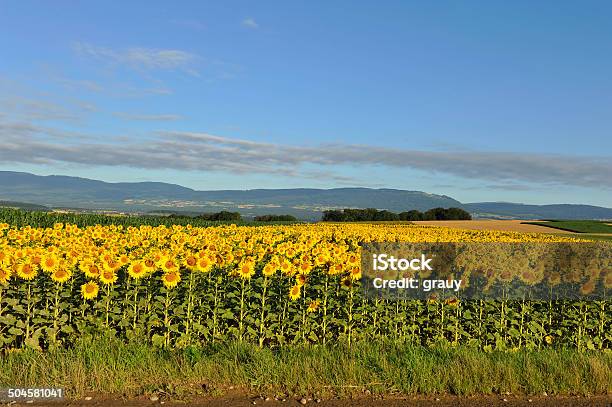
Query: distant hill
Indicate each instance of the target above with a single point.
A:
(23, 205)
(304, 203)
(64, 191)
(522, 211)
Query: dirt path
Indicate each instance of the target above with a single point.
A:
(442, 401)
(503, 225)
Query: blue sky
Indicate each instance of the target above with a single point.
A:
(482, 101)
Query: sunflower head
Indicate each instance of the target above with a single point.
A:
(355, 273)
(452, 301)
(137, 270)
(269, 270)
(5, 275)
(49, 262)
(108, 277)
(587, 288)
(60, 275)
(169, 265)
(150, 265)
(27, 271)
(92, 270)
(89, 290)
(191, 262)
(304, 267)
(171, 279)
(204, 264)
(313, 306)
(295, 291)
(246, 269)
(608, 280)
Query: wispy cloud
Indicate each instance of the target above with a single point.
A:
(148, 117)
(250, 23)
(205, 152)
(30, 109)
(140, 58)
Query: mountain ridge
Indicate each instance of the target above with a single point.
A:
(307, 203)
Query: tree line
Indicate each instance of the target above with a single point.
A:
(371, 214)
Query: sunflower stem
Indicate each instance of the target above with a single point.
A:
(262, 321)
(241, 321)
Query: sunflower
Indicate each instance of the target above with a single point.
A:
(91, 270)
(4, 256)
(150, 265)
(356, 273)
(294, 293)
(554, 279)
(335, 269)
(304, 267)
(269, 270)
(108, 277)
(49, 262)
(346, 282)
(171, 279)
(5, 275)
(528, 277)
(169, 265)
(190, 262)
(60, 275)
(27, 271)
(89, 290)
(246, 269)
(452, 301)
(137, 270)
(112, 265)
(204, 264)
(35, 259)
(607, 279)
(301, 279)
(313, 306)
(352, 260)
(506, 276)
(587, 288)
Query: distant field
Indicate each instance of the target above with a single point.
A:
(576, 226)
(501, 225)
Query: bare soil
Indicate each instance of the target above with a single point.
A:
(502, 225)
(242, 400)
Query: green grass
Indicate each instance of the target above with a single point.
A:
(577, 226)
(137, 369)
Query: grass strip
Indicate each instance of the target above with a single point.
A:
(113, 367)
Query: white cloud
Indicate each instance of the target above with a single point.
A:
(250, 23)
(28, 143)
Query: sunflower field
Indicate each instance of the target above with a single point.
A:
(174, 286)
